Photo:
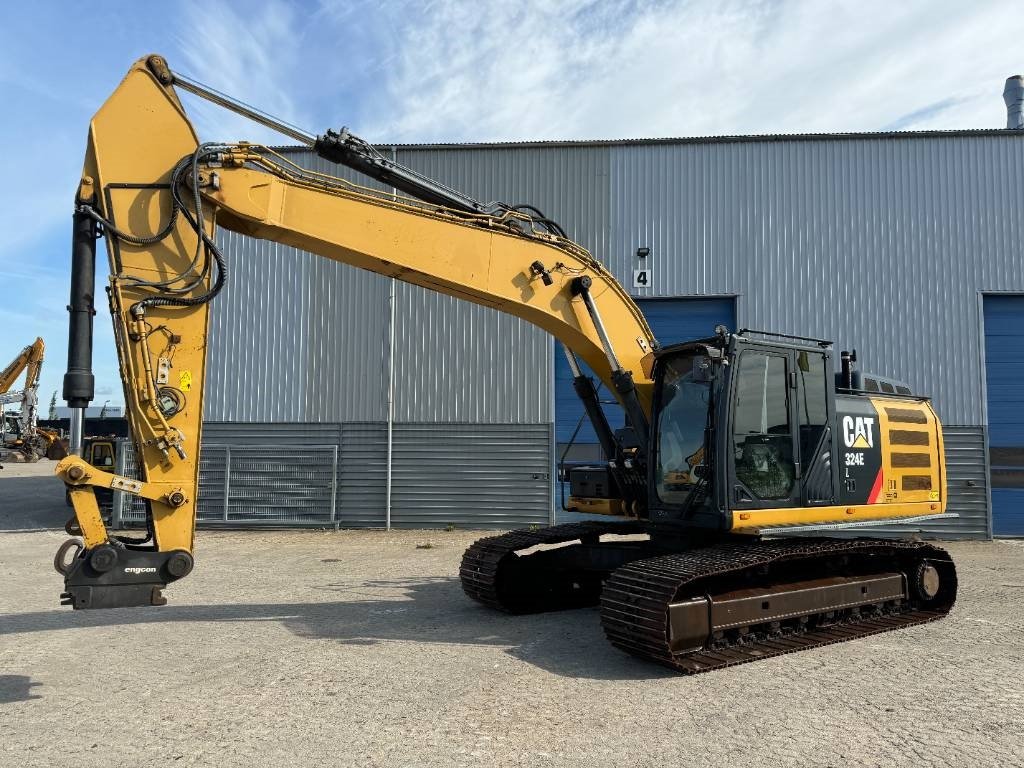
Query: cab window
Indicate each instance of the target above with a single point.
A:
(762, 434)
(812, 401)
(679, 432)
(103, 455)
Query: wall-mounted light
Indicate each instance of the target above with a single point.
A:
(643, 253)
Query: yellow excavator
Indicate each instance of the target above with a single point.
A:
(20, 432)
(730, 439)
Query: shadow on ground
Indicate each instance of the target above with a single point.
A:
(567, 643)
(32, 503)
(16, 688)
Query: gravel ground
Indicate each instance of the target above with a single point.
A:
(357, 648)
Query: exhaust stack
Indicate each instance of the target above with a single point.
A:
(1013, 95)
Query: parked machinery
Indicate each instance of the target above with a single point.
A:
(20, 431)
(102, 452)
(729, 439)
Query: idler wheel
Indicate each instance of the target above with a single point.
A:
(926, 581)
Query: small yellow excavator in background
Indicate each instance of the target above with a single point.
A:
(20, 432)
(730, 440)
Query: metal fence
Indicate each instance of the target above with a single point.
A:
(252, 485)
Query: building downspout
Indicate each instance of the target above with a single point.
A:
(553, 436)
(391, 380)
(391, 399)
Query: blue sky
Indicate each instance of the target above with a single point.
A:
(467, 71)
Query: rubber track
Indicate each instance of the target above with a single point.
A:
(635, 599)
(480, 571)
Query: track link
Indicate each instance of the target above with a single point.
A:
(489, 574)
(636, 598)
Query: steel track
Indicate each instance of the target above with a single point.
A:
(486, 563)
(636, 596)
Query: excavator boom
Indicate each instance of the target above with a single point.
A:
(30, 360)
(157, 195)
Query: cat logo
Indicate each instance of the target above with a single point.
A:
(858, 432)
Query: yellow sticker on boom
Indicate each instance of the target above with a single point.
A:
(185, 380)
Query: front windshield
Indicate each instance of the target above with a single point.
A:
(685, 395)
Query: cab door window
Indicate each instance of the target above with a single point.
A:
(815, 432)
(762, 432)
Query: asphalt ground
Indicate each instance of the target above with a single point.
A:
(357, 648)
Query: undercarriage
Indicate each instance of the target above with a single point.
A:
(702, 608)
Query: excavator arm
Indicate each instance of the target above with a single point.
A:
(156, 195)
(30, 360)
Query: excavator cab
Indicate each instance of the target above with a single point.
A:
(100, 453)
(740, 424)
(740, 421)
(11, 429)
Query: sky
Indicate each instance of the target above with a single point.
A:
(453, 70)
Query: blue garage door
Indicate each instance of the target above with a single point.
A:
(1004, 376)
(672, 320)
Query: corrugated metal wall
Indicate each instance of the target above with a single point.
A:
(295, 338)
(967, 482)
(476, 475)
(458, 362)
(882, 243)
(363, 475)
(334, 475)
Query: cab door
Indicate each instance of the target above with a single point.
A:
(764, 458)
(815, 415)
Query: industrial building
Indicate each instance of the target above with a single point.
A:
(339, 397)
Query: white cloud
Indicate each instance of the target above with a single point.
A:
(252, 55)
(469, 71)
(582, 70)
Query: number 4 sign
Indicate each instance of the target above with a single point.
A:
(641, 278)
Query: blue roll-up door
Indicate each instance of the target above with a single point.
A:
(672, 320)
(1004, 377)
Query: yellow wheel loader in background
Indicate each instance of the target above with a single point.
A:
(730, 439)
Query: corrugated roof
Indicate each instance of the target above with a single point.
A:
(739, 138)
